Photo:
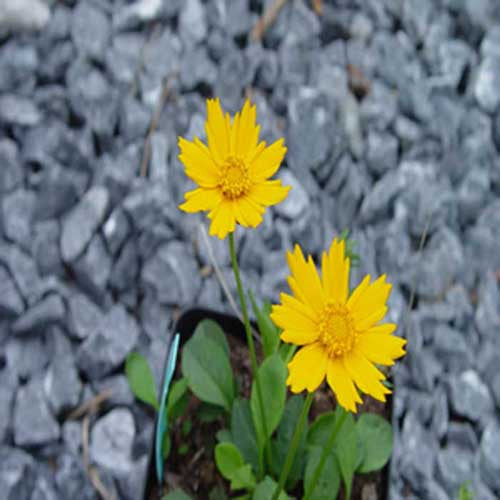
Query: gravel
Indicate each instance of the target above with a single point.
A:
(390, 113)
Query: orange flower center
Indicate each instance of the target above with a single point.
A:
(336, 330)
(234, 181)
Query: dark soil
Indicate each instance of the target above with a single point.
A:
(191, 465)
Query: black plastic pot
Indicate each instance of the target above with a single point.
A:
(186, 326)
(231, 325)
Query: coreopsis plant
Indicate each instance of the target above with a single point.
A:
(320, 337)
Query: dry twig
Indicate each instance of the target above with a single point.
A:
(266, 20)
(318, 6)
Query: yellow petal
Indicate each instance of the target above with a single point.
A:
(335, 272)
(198, 163)
(384, 329)
(217, 129)
(265, 164)
(365, 375)
(223, 220)
(200, 199)
(287, 317)
(269, 192)
(307, 368)
(248, 132)
(371, 299)
(301, 307)
(381, 348)
(306, 279)
(369, 321)
(341, 384)
(247, 213)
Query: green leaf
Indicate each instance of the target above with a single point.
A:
(345, 446)
(265, 490)
(345, 449)
(282, 443)
(208, 413)
(328, 484)
(376, 435)
(178, 397)
(205, 364)
(224, 436)
(465, 493)
(243, 432)
(141, 379)
(231, 465)
(177, 495)
(187, 425)
(167, 445)
(183, 449)
(269, 332)
(243, 478)
(286, 352)
(272, 375)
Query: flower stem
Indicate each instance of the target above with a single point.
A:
(326, 451)
(293, 445)
(251, 348)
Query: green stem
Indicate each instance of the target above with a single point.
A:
(251, 348)
(293, 445)
(326, 451)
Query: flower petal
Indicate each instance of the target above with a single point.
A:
(308, 368)
(265, 164)
(198, 163)
(381, 348)
(335, 272)
(365, 375)
(217, 128)
(223, 220)
(341, 384)
(200, 199)
(247, 213)
(305, 279)
(301, 307)
(370, 299)
(269, 192)
(286, 317)
(248, 132)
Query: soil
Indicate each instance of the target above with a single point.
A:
(193, 469)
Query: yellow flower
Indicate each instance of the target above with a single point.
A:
(341, 335)
(233, 171)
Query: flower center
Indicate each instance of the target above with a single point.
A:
(234, 180)
(336, 330)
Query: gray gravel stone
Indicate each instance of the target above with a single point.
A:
(116, 230)
(90, 30)
(125, 269)
(111, 441)
(192, 22)
(297, 200)
(167, 271)
(381, 152)
(470, 397)
(453, 465)
(10, 174)
(155, 318)
(462, 435)
(61, 383)
(487, 317)
(83, 222)
(27, 357)
(71, 478)
(17, 110)
(17, 208)
(84, 316)
(121, 394)
(45, 487)
(72, 436)
(106, 348)
(17, 473)
(45, 248)
(93, 268)
(33, 423)
(8, 387)
(486, 88)
(49, 310)
(489, 462)
(11, 302)
(451, 348)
